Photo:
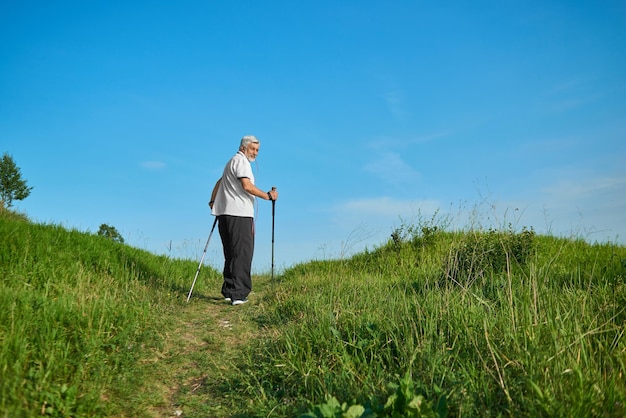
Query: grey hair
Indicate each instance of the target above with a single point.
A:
(247, 140)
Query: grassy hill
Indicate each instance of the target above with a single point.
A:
(78, 315)
(431, 323)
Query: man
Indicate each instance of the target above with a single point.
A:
(232, 201)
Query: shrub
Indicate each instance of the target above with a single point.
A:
(479, 254)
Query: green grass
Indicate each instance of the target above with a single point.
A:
(431, 323)
(542, 336)
(78, 313)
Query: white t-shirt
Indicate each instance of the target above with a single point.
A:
(231, 198)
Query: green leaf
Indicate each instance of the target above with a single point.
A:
(355, 411)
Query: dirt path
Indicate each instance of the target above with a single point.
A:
(206, 336)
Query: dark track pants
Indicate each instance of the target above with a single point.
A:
(237, 235)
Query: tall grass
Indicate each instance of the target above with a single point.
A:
(431, 323)
(497, 322)
(78, 314)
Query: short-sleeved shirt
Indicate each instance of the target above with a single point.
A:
(231, 198)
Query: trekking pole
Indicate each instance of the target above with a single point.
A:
(201, 260)
(273, 212)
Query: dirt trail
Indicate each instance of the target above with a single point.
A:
(200, 347)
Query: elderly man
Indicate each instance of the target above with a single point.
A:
(232, 201)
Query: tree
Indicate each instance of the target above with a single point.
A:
(12, 186)
(111, 233)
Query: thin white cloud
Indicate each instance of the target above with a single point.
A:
(395, 103)
(565, 105)
(575, 189)
(384, 206)
(580, 206)
(153, 165)
(571, 94)
(391, 168)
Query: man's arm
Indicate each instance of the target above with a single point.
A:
(249, 187)
(214, 192)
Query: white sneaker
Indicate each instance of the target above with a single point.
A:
(240, 302)
(227, 299)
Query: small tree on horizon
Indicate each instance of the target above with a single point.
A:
(111, 233)
(12, 186)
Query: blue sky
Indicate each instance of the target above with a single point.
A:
(371, 114)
